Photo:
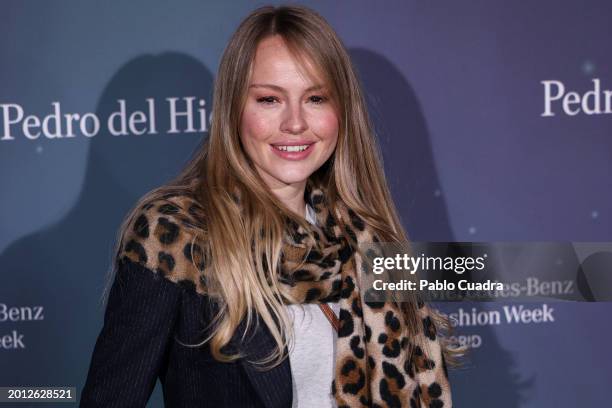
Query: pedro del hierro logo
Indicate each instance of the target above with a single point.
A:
(557, 99)
(186, 115)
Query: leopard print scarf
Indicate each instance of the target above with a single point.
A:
(372, 349)
(372, 368)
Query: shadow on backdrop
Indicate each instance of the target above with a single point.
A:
(489, 377)
(64, 267)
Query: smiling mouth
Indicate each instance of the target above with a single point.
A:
(297, 148)
(293, 151)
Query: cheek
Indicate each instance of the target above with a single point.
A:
(254, 127)
(326, 127)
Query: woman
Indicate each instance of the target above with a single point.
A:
(250, 255)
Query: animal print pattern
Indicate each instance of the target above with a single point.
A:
(372, 368)
(163, 237)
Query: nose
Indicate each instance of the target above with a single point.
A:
(293, 119)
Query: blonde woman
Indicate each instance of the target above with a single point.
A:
(236, 283)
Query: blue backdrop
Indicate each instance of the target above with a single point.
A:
(494, 119)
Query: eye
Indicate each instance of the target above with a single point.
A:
(318, 99)
(266, 100)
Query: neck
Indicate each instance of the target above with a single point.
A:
(292, 195)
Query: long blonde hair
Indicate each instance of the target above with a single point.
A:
(353, 177)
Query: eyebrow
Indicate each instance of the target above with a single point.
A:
(281, 89)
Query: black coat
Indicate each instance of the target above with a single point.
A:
(144, 316)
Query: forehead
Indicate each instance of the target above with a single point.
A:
(274, 63)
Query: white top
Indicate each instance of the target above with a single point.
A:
(312, 357)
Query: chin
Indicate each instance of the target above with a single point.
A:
(290, 177)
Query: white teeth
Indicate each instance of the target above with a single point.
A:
(292, 148)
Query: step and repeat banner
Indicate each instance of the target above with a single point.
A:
(495, 123)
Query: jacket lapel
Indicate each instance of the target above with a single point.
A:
(273, 386)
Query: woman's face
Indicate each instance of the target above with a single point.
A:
(289, 126)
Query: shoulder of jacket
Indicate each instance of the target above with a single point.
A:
(165, 236)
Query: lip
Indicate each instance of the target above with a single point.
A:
(293, 155)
